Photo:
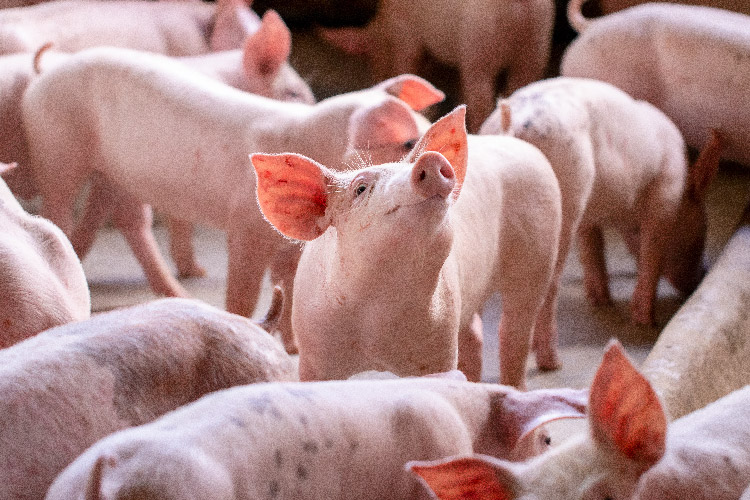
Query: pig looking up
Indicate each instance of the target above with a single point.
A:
(620, 163)
(630, 451)
(480, 38)
(401, 257)
(41, 279)
(172, 28)
(67, 387)
(161, 134)
(316, 440)
(691, 62)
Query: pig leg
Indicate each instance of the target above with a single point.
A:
(591, 254)
(283, 269)
(134, 220)
(249, 256)
(101, 199)
(470, 344)
(181, 249)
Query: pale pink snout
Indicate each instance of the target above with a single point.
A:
(432, 175)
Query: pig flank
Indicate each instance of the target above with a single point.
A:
(402, 260)
(176, 140)
(630, 451)
(332, 440)
(69, 386)
(42, 284)
(692, 62)
(620, 163)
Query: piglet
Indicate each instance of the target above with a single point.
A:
(481, 39)
(184, 150)
(42, 284)
(630, 451)
(620, 163)
(691, 62)
(400, 258)
(332, 440)
(172, 28)
(70, 386)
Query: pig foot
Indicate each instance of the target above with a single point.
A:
(181, 249)
(545, 341)
(642, 309)
(598, 294)
(470, 343)
(547, 357)
(514, 349)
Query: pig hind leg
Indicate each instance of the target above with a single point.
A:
(249, 256)
(181, 249)
(591, 255)
(470, 344)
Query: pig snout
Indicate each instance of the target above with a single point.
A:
(432, 175)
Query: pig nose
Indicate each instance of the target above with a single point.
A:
(432, 175)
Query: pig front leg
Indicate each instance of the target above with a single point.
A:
(135, 220)
(283, 269)
(515, 339)
(181, 249)
(591, 255)
(470, 344)
(249, 256)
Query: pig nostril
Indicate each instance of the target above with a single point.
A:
(447, 172)
(422, 175)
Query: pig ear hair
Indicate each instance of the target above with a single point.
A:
(293, 193)
(477, 477)
(417, 92)
(7, 167)
(705, 167)
(267, 49)
(448, 137)
(523, 412)
(624, 410)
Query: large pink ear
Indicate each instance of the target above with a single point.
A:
(417, 92)
(267, 49)
(233, 23)
(448, 137)
(624, 410)
(522, 412)
(388, 123)
(356, 41)
(476, 477)
(704, 169)
(293, 193)
(7, 167)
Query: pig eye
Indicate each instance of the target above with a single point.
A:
(361, 188)
(409, 145)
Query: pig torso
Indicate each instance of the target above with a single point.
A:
(70, 386)
(691, 62)
(315, 440)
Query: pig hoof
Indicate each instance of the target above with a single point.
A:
(548, 363)
(599, 298)
(195, 271)
(291, 347)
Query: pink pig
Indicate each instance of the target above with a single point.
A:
(41, 279)
(69, 386)
(481, 39)
(315, 440)
(172, 28)
(620, 163)
(630, 451)
(691, 62)
(397, 265)
(158, 133)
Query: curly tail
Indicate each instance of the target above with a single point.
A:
(38, 56)
(575, 17)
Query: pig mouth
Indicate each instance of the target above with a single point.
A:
(435, 199)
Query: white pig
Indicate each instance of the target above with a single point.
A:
(630, 451)
(620, 163)
(42, 284)
(480, 38)
(172, 28)
(67, 387)
(691, 62)
(168, 137)
(317, 440)
(397, 265)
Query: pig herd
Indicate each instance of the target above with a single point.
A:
(385, 234)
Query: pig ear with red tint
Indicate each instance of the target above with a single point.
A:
(477, 477)
(624, 411)
(417, 92)
(293, 193)
(268, 48)
(703, 171)
(7, 167)
(448, 137)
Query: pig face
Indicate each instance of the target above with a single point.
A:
(265, 63)
(379, 206)
(627, 437)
